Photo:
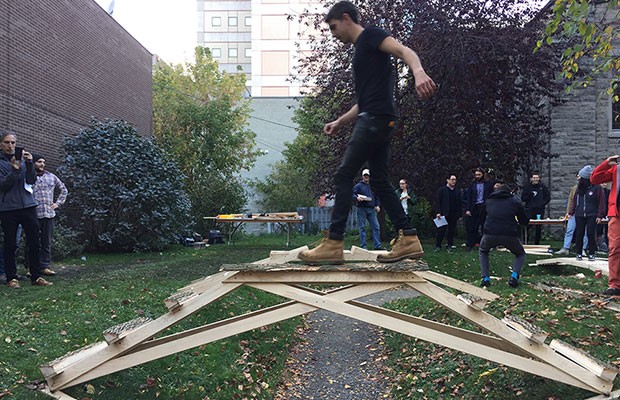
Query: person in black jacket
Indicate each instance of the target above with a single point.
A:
(536, 196)
(588, 207)
(18, 207)
(448, 206)
(477, 193)
(501, 229)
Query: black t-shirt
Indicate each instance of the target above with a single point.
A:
(373, 73)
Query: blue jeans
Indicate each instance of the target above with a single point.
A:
(368, 213)
(570, 230)
(370, 142)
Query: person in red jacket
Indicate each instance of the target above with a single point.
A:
(608, 171)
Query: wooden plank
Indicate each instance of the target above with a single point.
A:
(282, 256)
(58, 395)
(323, 277)
(54, 367)
(456, 343)
(175, 343)
(527, 329)
(71, 372)
(200, 285)
(360, 254)
(177, 299)
(457, 284)
(599, 263)
(603, 370)
(611, 396)
(495, 326)
(475, 302)
(119, 331)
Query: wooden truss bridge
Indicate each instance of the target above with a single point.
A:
(511, 341)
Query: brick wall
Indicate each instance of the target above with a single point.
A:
(63, 62)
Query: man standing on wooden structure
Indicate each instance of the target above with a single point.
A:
(370, 141)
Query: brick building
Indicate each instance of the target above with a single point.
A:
(62, 63)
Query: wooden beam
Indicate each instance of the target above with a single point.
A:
(117, 332)
(58, 395)
(71, 372)
(158, 348)
(324, 277)
(530, 331)
(456, 343)
(457, 284)
(475, 302)
(604, 370)
(494, 325)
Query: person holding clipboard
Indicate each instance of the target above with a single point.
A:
(448, 213)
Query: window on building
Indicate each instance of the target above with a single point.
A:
(216, 21)
(216, 52)
(248, 21)
(232, 21)
(248, 53)
(232, 53)
(615, 108)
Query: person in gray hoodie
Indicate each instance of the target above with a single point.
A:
(18, 207)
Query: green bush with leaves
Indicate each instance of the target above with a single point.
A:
(125, 194)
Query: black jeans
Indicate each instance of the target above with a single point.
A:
(27, 217)
(585, 225)
(474, 225)
(451, 230)
(512, 243)
(533, 213)
(370, 141)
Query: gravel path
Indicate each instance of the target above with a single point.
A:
(337, 358)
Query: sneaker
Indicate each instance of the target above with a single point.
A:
(513, 282)
(591, 257)
(451, 247)
(579, 257)
(562, 252)
(612, 292)
(406, 245)
(41, 282)
(486, 282)
(13, 284)
(328, 251)
(48, 272)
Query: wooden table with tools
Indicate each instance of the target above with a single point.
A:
(237, 220)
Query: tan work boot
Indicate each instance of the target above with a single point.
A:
(328, 251)
(405, 245)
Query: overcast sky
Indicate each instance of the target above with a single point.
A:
(165, 27)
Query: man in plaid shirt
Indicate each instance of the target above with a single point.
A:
(43, 191)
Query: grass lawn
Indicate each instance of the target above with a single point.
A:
(41, 324)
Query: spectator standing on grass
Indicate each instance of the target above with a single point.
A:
(536, 196)
(477, 193)
(608, 171)
(570, 225)
(368, 206)
(501, 228)
(370, 142)
(448, 206)
(406, 196)
(588, 209)
(18, 206)
(44, 192)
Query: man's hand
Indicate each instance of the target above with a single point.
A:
(54, 206)
(468, 213)
(438, 215)
(378, 209)
(331, 128)
(15, 163)
(613, 160)
(26, 156)
(424, 85)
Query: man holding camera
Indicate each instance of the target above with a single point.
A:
(18, 207)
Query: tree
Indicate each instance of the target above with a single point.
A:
(200, 117)
(126, 193)
(588, 30)
(490, 109)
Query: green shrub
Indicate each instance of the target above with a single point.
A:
(124, 193)
(65, 243)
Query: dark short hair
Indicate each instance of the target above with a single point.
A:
(342, 7)
(503, 188)
(479, 169)
(535, 173)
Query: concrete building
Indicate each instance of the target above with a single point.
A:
(262, 37)
(62, 63)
